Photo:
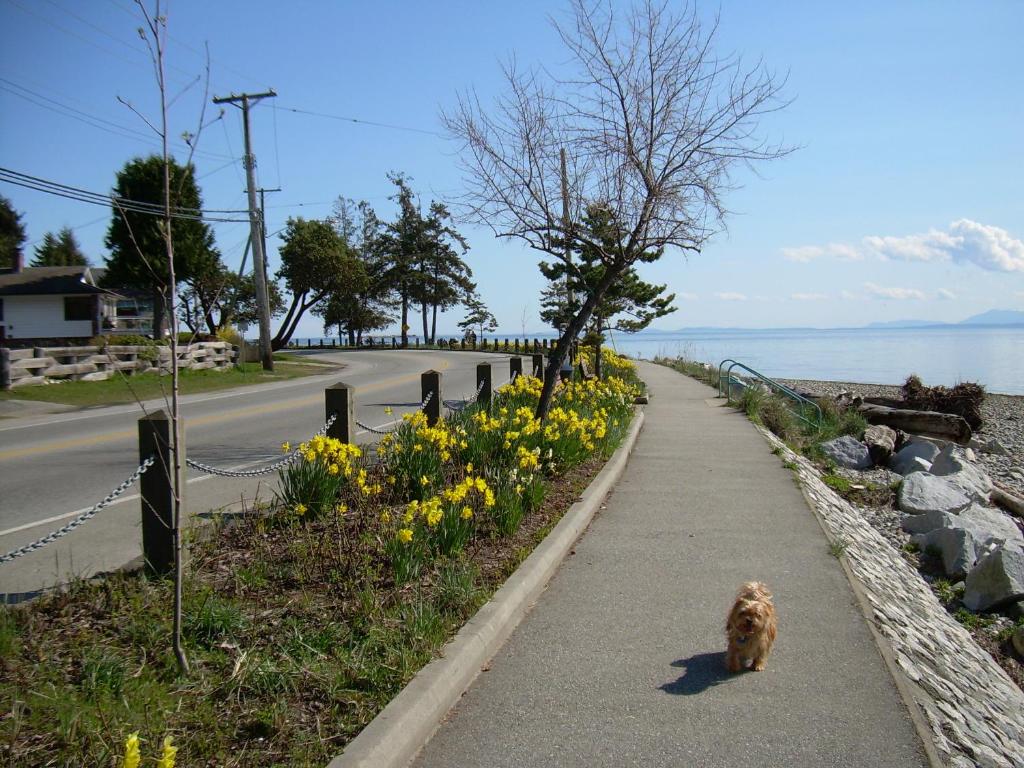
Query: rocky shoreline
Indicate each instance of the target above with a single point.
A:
(1003, 421)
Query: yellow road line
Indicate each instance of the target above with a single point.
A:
(200, 421)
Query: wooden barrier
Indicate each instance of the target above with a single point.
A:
(23, 367)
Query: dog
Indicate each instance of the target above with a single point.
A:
(751, 628)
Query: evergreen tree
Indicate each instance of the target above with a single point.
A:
(365, 302)
(61, 250)
(478, 317)
(138, 253)
(315, 263)
(628, 303)
(12, 234)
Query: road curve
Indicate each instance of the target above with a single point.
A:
(56, 465)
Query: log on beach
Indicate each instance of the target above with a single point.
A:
(943, 425)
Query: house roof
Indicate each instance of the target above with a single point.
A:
(49, 281)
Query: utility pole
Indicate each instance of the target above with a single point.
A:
(263, 225)
(255, 224)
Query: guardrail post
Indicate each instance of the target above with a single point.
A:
(340, 400)
(483, 383)
(430, 382)
(157, 491)
(515, 367)
(538, 365)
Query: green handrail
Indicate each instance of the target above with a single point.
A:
(782, 388)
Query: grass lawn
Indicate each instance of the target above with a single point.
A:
(148, 386)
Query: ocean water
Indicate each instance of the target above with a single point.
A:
(989, 355)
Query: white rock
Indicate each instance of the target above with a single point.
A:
(922, 492)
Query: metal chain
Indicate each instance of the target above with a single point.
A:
(288, 460)
(375, 431)
(87, 515)
(457, 406)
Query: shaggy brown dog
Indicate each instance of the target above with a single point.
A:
(751, 628)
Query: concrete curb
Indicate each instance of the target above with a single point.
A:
(400, 730)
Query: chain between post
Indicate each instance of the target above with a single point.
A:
(87, 515)
(289, 459)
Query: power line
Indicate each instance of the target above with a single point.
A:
(359, 121)
(65, 110)
(95, 198)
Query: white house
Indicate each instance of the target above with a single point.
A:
(53, 303)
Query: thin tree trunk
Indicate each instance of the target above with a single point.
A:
(566, 339)
(433, 326)
(423, 313)
(405, 318)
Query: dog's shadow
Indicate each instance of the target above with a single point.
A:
(703, 671)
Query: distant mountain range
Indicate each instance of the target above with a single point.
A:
(992, 317)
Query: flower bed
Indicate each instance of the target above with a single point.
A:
(301, 623)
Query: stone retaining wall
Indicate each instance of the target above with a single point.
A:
(974, 710)
(41, 365)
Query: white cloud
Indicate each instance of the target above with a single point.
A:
(688, 296)
(945, 293)
(806, 253)
(808, 296)
(849, 296)
(730, 296)
(803, 254)
(900, 294)
(965, 241)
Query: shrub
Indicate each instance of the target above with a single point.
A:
(965, 399)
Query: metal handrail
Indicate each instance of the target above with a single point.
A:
(727, 378)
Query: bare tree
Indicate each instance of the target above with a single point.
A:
(154, 34)
(654, 123)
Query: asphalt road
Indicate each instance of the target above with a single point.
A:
(55, 466)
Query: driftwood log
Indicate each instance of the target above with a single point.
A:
(943, 425)
(1002, 497)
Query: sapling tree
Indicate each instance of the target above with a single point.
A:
(654, 124)
(160, 265)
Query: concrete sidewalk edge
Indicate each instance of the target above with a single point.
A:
(904, 687)
(400, 730)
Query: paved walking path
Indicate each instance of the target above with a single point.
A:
(621, 661)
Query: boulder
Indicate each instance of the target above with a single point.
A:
(881, 443)
(903, 461)
(922, 492)
(1018, 641)
(997, 580)
(928, 521)
(955, 463)
(848, 452)
(917, 464)
(997, 526)
(960, 548)
(962, 539)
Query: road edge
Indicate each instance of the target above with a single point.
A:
(394, 737)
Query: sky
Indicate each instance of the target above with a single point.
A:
(903, 199)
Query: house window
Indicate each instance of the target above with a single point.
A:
(77, 308)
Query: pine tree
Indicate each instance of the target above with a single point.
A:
(12, 234)
(138, 253)
(61, 250)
